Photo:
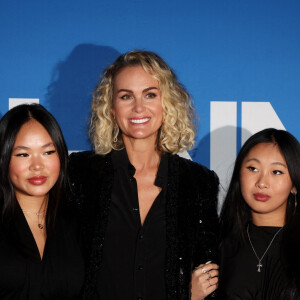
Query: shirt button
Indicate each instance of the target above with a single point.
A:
(140, 267)
(139, 298)
(141, 236)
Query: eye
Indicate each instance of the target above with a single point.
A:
(50, 152)
(277, 172)
(150, 95)
(22, 155)
(126, 97)
(252, 169)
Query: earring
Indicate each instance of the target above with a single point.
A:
(295, 195)
(116, 131)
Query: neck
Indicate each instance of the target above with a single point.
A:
(263, 220)
(33, 204)
(141, 153)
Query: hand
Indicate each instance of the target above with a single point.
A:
(204, 280)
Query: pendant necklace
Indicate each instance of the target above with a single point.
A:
(259, 265)
(38, 214)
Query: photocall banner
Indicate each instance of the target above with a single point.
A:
(239, 60)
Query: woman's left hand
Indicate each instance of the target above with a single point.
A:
(204, 280)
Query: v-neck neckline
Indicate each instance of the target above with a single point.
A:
(26, 236)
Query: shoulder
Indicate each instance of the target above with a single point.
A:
(88, 169)
(86, 157)
(191, 170)
(87, 161)
(91, 178)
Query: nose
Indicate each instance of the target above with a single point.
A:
(262, 182)
(36, 163)
(138, 105)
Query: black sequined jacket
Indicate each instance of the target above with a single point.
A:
(191, 217)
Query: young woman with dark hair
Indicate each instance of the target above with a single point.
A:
(40, 256)
(260, 220)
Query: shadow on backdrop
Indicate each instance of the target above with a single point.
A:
(201, 152)
(224, 154)
(70, 91)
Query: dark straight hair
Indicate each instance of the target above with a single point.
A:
(10, 125)
(235, 213)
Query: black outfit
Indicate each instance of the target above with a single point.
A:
(24, 276)
(188, 223)
(239, 278)
(133, 255)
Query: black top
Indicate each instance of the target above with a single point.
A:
(239, 278)
(23, 275)
(134, 254)
(190, 216)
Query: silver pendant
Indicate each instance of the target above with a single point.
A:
(259, 266)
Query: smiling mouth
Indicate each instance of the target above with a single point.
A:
(139, 121)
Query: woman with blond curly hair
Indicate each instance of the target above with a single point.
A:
(149, 216)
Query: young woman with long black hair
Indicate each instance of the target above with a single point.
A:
(260, 221)
(40, 254)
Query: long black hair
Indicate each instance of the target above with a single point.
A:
(10, 125)
(236, 214)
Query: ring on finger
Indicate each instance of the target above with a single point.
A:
(203, 270)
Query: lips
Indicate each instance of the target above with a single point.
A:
(139, 121)
(261, 197)
(37, 180)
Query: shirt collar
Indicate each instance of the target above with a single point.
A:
(120, 160)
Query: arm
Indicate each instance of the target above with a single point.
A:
(205, 276)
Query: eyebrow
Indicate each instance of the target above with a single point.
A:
(273, 163)
(27, 148)
(145, 90)
(150, 88)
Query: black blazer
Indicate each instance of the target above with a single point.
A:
(191, 216)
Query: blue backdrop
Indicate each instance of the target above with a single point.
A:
(224, 51)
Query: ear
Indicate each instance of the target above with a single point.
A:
(294, 191)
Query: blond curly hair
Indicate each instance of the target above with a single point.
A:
(177, 132)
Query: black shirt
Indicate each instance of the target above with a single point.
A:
(240, 279)
(25, 276)
(134, 255)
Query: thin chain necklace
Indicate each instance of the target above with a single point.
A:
(38, 214)
(259, 265)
